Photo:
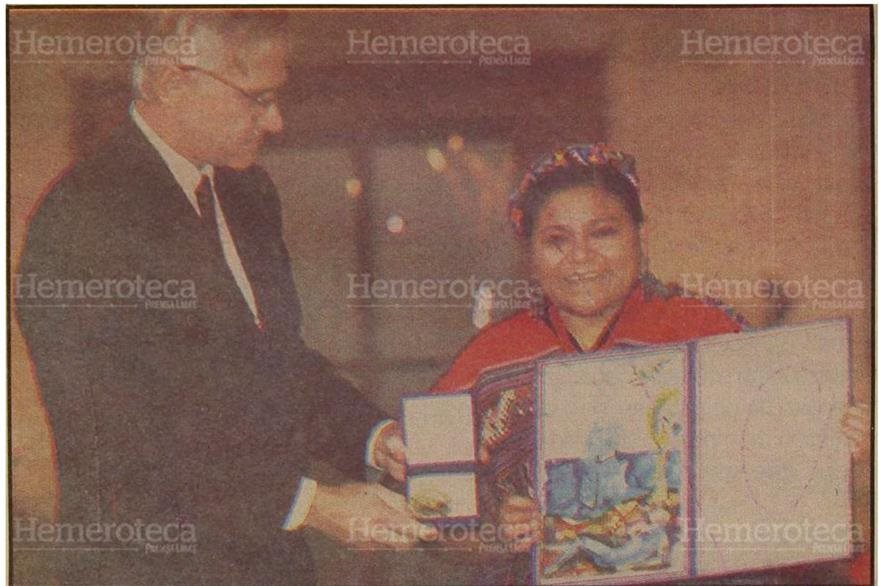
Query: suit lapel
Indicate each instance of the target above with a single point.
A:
(156, 199)
(169, 226)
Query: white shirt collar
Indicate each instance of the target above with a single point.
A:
(185, 173)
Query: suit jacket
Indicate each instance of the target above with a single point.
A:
(178, 416)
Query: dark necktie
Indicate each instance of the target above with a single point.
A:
(204, 195)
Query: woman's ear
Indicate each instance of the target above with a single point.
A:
(526, 254)
(642, 245)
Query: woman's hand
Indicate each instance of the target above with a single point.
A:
(856, 428)
(520, 524)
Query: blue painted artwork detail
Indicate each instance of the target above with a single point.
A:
(615, 510)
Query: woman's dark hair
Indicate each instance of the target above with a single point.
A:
(577, 166)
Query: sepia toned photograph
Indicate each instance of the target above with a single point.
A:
(440, 295)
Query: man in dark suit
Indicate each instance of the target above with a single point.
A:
(156, 296)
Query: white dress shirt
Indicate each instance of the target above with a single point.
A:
(188, 177)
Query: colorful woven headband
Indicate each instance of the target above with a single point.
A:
(581, 155)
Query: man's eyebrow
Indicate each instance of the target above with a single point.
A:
(268, 90)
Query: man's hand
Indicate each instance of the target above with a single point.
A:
(520, 523)
(366, 516)
(390, 452)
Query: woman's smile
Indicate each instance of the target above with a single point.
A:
(584, 278)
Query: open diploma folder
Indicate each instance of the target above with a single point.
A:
(717, 456)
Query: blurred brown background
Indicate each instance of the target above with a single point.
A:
(750, 169)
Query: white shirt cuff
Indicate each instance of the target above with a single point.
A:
(301, 504)
(370, 443)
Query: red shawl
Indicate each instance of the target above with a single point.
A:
(646, 317)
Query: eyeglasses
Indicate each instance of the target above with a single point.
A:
(263, 100)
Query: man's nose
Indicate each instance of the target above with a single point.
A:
(271, 120)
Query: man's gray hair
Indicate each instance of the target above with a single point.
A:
(238, 30)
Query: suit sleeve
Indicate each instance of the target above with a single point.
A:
(341, 418)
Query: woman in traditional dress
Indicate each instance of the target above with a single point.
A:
(579, 215)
